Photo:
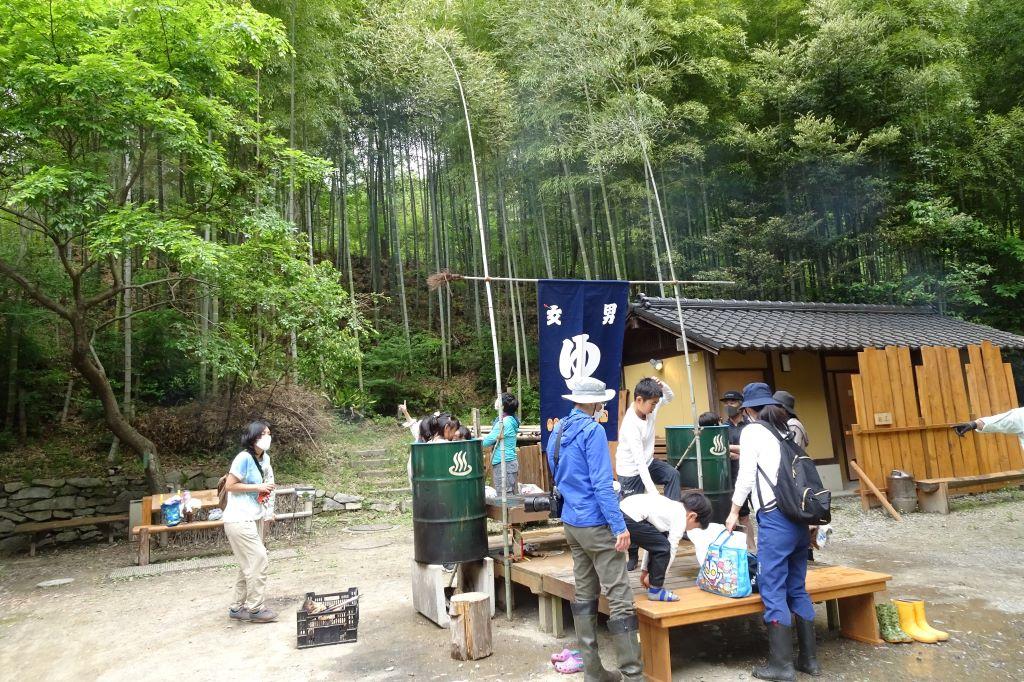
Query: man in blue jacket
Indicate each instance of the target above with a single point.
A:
(596, 532)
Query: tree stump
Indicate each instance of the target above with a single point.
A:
(470, 626)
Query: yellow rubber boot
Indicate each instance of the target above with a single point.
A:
(923, 622)
(908, 622)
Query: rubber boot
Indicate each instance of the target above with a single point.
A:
(584, 618)
(908, 622)
(780, 655)
(807, 659)
(889, 625)
(922, 621)
(627, 647)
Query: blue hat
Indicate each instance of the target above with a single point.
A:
(758, 395)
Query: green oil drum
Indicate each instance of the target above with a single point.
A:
(714, 452)
(448, 511)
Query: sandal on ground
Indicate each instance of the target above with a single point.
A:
(570, 667)
(661, 594)
(564, 655)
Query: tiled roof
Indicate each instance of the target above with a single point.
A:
(785, 325)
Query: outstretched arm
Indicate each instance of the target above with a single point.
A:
(1011, 421)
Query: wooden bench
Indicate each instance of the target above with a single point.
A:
(146, 532)
(847, 592)
(41, 529)
(852, 589)
(933, 493)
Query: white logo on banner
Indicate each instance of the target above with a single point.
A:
(609, 313)
(719, 448)
(579, 359)
(460, 467)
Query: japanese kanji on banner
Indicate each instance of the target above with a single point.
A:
(582, 323)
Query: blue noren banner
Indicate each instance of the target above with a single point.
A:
(582, 323)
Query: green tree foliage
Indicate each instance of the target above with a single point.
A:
(284, 175)
(102, 101)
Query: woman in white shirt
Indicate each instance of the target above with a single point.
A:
(248, 487)
(781, 544)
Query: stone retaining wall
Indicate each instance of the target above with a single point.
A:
(50, 499)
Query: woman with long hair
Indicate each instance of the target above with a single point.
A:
(781, 543)
(502, 438)
(247, 488)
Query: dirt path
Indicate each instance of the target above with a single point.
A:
(969, 566)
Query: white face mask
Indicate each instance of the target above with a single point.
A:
(264, 442)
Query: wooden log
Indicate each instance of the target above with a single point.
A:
(864, 480)
(470, 626)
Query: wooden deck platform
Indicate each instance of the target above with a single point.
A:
(847, 592)
(551, 577)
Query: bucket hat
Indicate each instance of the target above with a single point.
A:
(787, 400)
(758, 395)
(589, 390)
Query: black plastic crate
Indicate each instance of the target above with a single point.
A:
(337, 627)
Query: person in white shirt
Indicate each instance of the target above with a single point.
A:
(781, 544)
(635, 467)
(657, 524)
(1011, 421)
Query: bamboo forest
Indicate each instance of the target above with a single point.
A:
(205, 200)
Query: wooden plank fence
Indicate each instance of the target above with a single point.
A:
(904, 413)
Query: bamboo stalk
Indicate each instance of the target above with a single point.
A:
(494, 332)
(679, 310)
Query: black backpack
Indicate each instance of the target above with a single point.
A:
(799, 492)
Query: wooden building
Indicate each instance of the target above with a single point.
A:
(874, 383)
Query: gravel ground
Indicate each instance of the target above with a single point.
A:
(968, 566)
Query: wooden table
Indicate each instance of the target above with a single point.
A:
(516, 515)
(151, 504)
(208, 499)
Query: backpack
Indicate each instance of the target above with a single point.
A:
(799, 492)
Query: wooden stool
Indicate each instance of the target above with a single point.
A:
(471, 626)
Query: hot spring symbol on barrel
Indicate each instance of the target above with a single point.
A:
(448, 510)
(460, 467)
(718, 447)
(714, 457)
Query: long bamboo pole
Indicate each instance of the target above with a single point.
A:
(679, 312)
(494, 333)
(529, 280)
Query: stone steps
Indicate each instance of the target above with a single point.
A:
(377, 474)
(371, 463)
(362, 454)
